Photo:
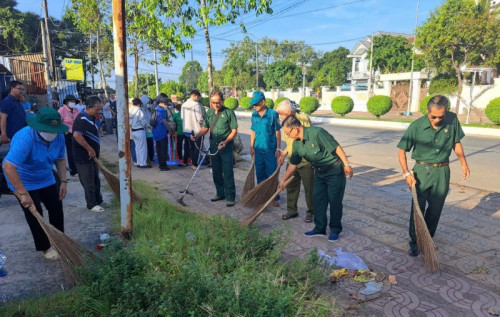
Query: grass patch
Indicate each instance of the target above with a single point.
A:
(184, 264)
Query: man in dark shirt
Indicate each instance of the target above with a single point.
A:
(85, 149)
(12, 114)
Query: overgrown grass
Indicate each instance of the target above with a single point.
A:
(184, 264)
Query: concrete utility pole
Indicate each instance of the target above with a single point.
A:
(49, 49)
(192, 68)
(156, 74)
(256, 66)
(46, 63)
(410, 94)
(120, 52)
(370, 88)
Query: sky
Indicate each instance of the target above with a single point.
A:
(323, 24)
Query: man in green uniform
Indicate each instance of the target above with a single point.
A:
(431, 138)
(222, 124)
(304, 172)
(331, 167)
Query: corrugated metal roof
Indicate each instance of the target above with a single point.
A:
(34, 58)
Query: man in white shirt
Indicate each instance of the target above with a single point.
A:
(108, 114)
(192, 114)
(138, 125)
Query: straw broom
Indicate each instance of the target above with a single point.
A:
(260, 194)
(114, 181)
(256, 214)
(424, 239)
(249, 181)
(71, 252)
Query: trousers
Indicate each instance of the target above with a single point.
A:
(88, 173)
(222, 172)
(162, 152)
(68, 141)
(304, 173)
(329, 189)
(141, 148)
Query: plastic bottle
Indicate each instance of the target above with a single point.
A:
(3, 258)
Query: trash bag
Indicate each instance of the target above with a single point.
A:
(347, 260)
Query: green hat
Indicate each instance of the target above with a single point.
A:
(48, 120)
(257, 97)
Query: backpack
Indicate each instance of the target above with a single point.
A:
(153, 121)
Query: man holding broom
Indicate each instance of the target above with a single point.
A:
(431, 139)
(28, 168)
(331, 167)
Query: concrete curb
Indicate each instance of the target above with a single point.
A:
(487, 132)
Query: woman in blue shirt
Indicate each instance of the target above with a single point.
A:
(28, 169)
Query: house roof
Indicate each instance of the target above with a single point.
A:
(34, 57)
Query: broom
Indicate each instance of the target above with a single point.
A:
(249, 181)
(71, 252)
(424, 239)
(114, 181)
(256, 214)
(260, 194)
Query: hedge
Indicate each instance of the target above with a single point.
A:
(342, 105)
(443, 84)
(492, 110)
(245, 103)
(308, 105)
(425, 101)
(231, 103)
(379, 105)
(269, 103)
(280, 99)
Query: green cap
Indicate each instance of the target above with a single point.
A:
(48, 120)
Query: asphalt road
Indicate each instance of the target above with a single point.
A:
(377, 148)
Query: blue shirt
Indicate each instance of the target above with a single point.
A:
(16, 115)
(265, 128)
(34, 159)
(160, 132)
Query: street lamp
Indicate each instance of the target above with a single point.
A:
(256, 62)
(304, 67)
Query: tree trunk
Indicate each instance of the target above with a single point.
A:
(459, 88)
(101, 70)
(209, 49)
(91, 62)
(136, 70)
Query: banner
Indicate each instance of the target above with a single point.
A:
(74, 69)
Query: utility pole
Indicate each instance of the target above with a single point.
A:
(49, 49)
(46, 62)
(156, 74)
(192, 69)
(91, 63)
(120, 54)
(370, 90)
(256, 66)
(410, 94)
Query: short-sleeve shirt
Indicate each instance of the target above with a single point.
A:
(317, 147)
(431, 145)
(68, 116)
(34, 159)
(160, 131)
(86, 126)
(306, 122)
(225, 124)
(265, 128)
(178, 123)
(106, 112)
(16, 115)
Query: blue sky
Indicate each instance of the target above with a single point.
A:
(320, 23)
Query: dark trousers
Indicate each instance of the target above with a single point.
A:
(132, 151)
(88, 173)
(68, 140)
(151, 148)
(222, 171)
(329, 189)
(109, 125)
(195, 153)
(183, 142)
(162, 152)
(49, 196)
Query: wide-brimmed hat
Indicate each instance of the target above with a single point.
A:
(69, 97)
(49, 120)
(257, 97)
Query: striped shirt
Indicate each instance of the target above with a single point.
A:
(85, 125)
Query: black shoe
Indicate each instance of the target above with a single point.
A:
(230, 203)
(217, 198)
(164, 168)
(145, 166)
(413, 250)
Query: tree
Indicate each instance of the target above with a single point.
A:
(238, 67)
(144, 82)
(331, 69)
(283, 74)
(190, 74)
(19, 32)
(456, 35)
(392, 54)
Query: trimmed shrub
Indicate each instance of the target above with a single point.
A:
(379, 105)
(231, 103)
(245, 103)
(492, 110)
(342, 105)
(280, 99)
(443, 84)
(205, 101)
(308, 105)
(269, 103)
(425, 101)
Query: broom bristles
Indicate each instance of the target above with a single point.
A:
(424, 239)
(260, 194)
(114, 182)
(249, 181)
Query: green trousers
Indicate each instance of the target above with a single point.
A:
(432, 187)
(222, 171)
(304, 173)
(329, 189)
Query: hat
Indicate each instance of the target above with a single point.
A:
(257, 97)
(49, 120)
(70, 97)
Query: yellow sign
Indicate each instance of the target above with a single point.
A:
(74, 69)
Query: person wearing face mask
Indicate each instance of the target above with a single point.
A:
(86, 147)
(28, 169)
(68, 114)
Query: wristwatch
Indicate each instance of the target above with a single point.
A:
(348, 164)
(406, 175)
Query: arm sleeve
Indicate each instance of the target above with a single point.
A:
(408, 140)
(295, 159)
(233, 123)
(6, 107)
(205, 120)
(459, 132)
(62, 148)
(20, 148)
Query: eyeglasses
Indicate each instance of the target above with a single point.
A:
(289, 132)
(436, 117)
(216, 103)
(21, 89)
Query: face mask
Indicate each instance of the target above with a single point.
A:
(71, 105)
(48, 136)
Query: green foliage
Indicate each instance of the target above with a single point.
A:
(205, 101)
(443, 84)
(392, 54)
(425, 101)
(379, 105)
(492, 110)
(171, 87)
(279, 100)
(331, 70)
(342, 105)
(231, 103)
(282, 74)
(308, 105)
(269, 103)
(245, 103)
(190, 74)
(145, 83)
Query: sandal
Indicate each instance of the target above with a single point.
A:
(308, 219)
(287, 216)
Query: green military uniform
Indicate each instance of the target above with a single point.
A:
(222, 162)
(431, 146)
(318, 147)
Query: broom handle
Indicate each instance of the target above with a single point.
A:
(38, 216)
(256, 214)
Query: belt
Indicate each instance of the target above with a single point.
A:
(326, 169)
(133, 130)
(435, 164)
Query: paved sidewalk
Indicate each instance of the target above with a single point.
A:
(376, 211)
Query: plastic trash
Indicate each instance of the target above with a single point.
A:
(104, 237)
(3, 258)
(347, 260)
(190, 236)
(372, 288)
